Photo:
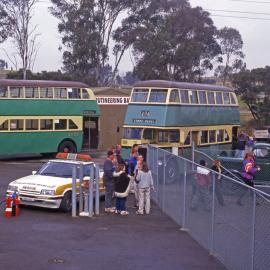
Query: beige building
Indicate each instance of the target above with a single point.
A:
(113, 105)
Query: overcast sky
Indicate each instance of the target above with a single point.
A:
(255, 33)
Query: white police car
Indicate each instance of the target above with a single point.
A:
(51, 186)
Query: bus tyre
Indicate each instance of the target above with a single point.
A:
(66, 203)
(70, 146)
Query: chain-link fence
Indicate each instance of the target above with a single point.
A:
(228, 218)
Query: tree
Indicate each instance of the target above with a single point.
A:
(231, 44)
(254, 88)
(170, 40)
(86, 28)
(19, 16)
(4, 25)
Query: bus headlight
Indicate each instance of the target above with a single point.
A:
(47, 192)
(12, 188)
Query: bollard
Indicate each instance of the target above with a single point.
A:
(97, 190)
(74, 191)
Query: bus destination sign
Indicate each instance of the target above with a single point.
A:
(144, 121)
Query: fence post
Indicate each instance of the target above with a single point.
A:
(253, 229)
(193, 154)
(91, 195)
(213, 214)
(81, 189)
(164, 184)
(74, 190)
(97, 190)
(184, 198)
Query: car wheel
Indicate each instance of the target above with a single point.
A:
(66, 203)
(70, 146)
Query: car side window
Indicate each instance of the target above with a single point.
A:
(86, 170)
(261, 152)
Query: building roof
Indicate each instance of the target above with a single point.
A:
(112, 91)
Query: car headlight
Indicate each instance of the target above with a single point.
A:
(12, 188)
(47, 192)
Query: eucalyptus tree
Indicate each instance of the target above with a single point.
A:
(18, 18)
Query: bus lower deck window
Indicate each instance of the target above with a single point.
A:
(60, 124)
(4, 126)
(72, 125)
(174, 136)
(212, 136)
(31, 124)
(163, 136)
(204, 136)
(16, 124)
(46, 124)
(148, 134)
(187, 140)
(132, 133)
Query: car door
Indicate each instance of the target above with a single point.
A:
(262, 159)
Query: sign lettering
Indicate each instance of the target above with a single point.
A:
(113, 100)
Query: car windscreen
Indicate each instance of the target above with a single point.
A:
(57, 169)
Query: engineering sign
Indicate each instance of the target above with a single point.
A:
(113, 100)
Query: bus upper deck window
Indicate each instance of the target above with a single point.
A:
(219, 98)
(202, 97)
(158, 95)
(16, 92)
(60, 93)
(3, 92)
(211, 97)
(139, 95)
(226, 98)
(148, 134)
(74, 93)
(193, 97)
(46, 92)
(174, 96)
(184, 96)
(174, 136)
(85, 94)
(233, 101)
(31, 92)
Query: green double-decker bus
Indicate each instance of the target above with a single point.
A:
(47, 117)
(172, 115)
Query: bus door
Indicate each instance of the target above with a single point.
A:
(90, 132)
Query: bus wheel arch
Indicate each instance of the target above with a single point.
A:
(69, 144)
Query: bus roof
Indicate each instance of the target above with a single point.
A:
(182, 85)
(40, 83)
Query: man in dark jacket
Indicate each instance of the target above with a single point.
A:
(109, 168)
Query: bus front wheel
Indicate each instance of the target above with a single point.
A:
(67, 146)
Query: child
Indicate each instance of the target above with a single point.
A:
(145, 183)
(122, 187)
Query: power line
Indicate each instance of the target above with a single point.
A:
(252, 1)
(240, 17)
(237, 11)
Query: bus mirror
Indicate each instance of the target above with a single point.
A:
(182, 137)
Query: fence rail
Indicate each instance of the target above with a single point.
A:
(225, 216)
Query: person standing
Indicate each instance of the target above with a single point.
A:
(145, 184)
(203, 182)
(138, 167)
(240, 146)
(122, 186)
(217, 167)
(132, 162)
(109, 168)
(249, 169)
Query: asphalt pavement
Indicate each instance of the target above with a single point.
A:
(48, 239)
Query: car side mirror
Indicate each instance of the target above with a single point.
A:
(34, 172)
